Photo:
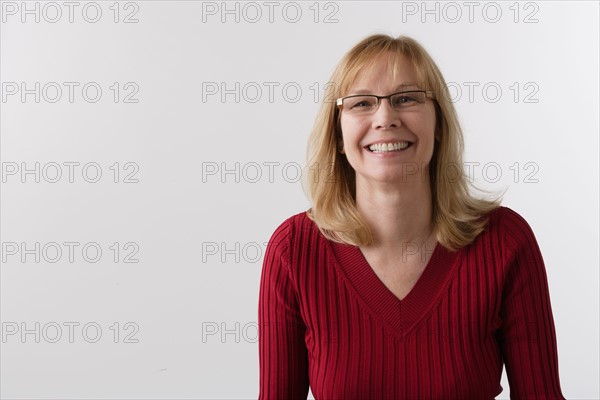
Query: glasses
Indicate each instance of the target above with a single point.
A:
(364, 104)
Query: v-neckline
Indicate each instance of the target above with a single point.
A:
(401, 315)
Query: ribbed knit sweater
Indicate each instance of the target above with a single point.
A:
(327, 320)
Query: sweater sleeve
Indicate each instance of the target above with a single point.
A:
(283, 356)
(527, 335)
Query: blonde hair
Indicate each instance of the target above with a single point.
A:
(329, 180)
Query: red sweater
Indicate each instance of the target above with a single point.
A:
(327, 320)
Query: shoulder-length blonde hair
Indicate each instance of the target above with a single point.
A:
(329, 180)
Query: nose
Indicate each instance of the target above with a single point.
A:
(385, 116)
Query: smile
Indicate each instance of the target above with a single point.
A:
(388, 147)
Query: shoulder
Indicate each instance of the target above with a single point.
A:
(293, 224)
(288, 238)
(511, 225)
(513, 236)
(288, 231)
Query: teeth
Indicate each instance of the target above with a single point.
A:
(383, 147)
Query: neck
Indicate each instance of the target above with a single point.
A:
(398, 213)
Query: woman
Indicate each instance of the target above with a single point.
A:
(398, 283)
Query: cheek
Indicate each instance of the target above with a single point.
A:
(351, 130)
(432, 118)
(346, 133)
(424, 125)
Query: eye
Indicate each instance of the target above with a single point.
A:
(408, 99)
(405, 99)
(361, 102)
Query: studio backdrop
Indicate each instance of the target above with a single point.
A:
(149, 149)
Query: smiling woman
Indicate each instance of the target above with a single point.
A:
(397, 282)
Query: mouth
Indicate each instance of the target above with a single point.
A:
(388, 147)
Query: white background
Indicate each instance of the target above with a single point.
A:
(185, 217)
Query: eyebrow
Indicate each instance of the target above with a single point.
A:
(399, 88)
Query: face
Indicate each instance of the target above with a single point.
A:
(415, 125)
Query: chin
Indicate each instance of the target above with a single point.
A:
(383, 178)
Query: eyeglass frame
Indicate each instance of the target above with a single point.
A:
(428, 94)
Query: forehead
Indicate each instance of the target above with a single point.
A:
(385, 73)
